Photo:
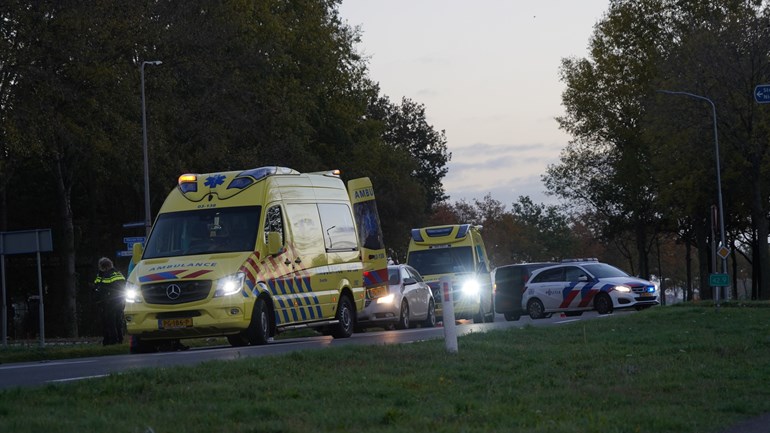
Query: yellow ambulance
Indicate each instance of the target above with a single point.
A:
(247, 254)
(456, 251)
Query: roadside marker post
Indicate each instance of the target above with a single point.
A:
(448, 308)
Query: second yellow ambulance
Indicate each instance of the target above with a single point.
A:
(456, 251)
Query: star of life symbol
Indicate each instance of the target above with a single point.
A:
(214, 181)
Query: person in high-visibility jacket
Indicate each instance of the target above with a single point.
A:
(109, 286)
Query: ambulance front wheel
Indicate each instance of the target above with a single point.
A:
(346, 321)
(258, 332)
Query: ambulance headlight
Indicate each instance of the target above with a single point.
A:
(387, 299)
(230, 284)
(623, 289)
(132, 293)
(471, 287)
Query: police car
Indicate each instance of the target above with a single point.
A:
(574, 286)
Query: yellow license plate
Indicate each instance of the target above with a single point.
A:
(175, 323)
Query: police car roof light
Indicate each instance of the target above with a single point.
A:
(580, 260)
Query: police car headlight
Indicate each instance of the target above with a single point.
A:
(230, 284)
(623, 289)
(388, 299)
(132, 294)
(471, 287)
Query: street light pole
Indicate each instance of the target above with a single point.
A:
(147, 216)
(719, 176)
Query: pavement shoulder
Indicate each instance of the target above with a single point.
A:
(760, 424)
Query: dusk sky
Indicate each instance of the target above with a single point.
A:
(487, 72)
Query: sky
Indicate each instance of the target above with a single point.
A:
(487, 72)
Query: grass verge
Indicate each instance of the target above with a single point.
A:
(677, 369)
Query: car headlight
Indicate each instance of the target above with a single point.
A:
(623, 289)
(230, 284)
(471, 287)
(132, 293)
(387, 299)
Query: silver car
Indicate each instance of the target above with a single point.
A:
(409, 301)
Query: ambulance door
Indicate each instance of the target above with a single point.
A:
(373, 254)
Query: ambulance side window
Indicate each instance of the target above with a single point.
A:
(338, 229)
(274, 222)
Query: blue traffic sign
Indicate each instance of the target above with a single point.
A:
(762, 93)
(134, 240)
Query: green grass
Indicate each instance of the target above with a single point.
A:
(672, 369)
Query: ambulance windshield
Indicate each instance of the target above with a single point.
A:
(450, 260)
(204, 231)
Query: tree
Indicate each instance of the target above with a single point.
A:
(406, 128)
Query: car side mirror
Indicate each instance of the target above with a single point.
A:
(274, 245)
(583, 278)
(409, 281)
(136, 252)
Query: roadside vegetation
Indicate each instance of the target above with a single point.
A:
(676, 369)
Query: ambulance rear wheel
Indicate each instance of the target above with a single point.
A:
(258, 332)
(535, 309)
(346, 321)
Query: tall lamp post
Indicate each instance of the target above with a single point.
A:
(147, 216)
(719, 178)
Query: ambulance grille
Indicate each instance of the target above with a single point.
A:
(176, 292)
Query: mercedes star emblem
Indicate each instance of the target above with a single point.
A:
(173, 291)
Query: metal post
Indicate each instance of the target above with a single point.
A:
(448, 313)
(41, 308)
(719, 175)
(147, 215)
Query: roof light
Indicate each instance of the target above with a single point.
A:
(188, 183)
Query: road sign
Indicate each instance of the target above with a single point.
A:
(762, 93)
(719, 280)
(723, 252)
(134, 240)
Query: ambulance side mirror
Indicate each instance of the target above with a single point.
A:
(274, 244)
(136, 253)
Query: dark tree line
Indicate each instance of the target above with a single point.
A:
(242, 84)
(643, 161)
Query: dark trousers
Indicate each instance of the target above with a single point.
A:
(112, 323)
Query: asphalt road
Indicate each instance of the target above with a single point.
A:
(29, 374)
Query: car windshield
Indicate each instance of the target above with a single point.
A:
(603, 270)
(218, 230)
(442, 260)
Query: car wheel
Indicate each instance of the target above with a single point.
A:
(430, 321)
(535, 309)
(403, 322)
(511, 317)
(345, 317)
(258, 332)
(603, 303)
